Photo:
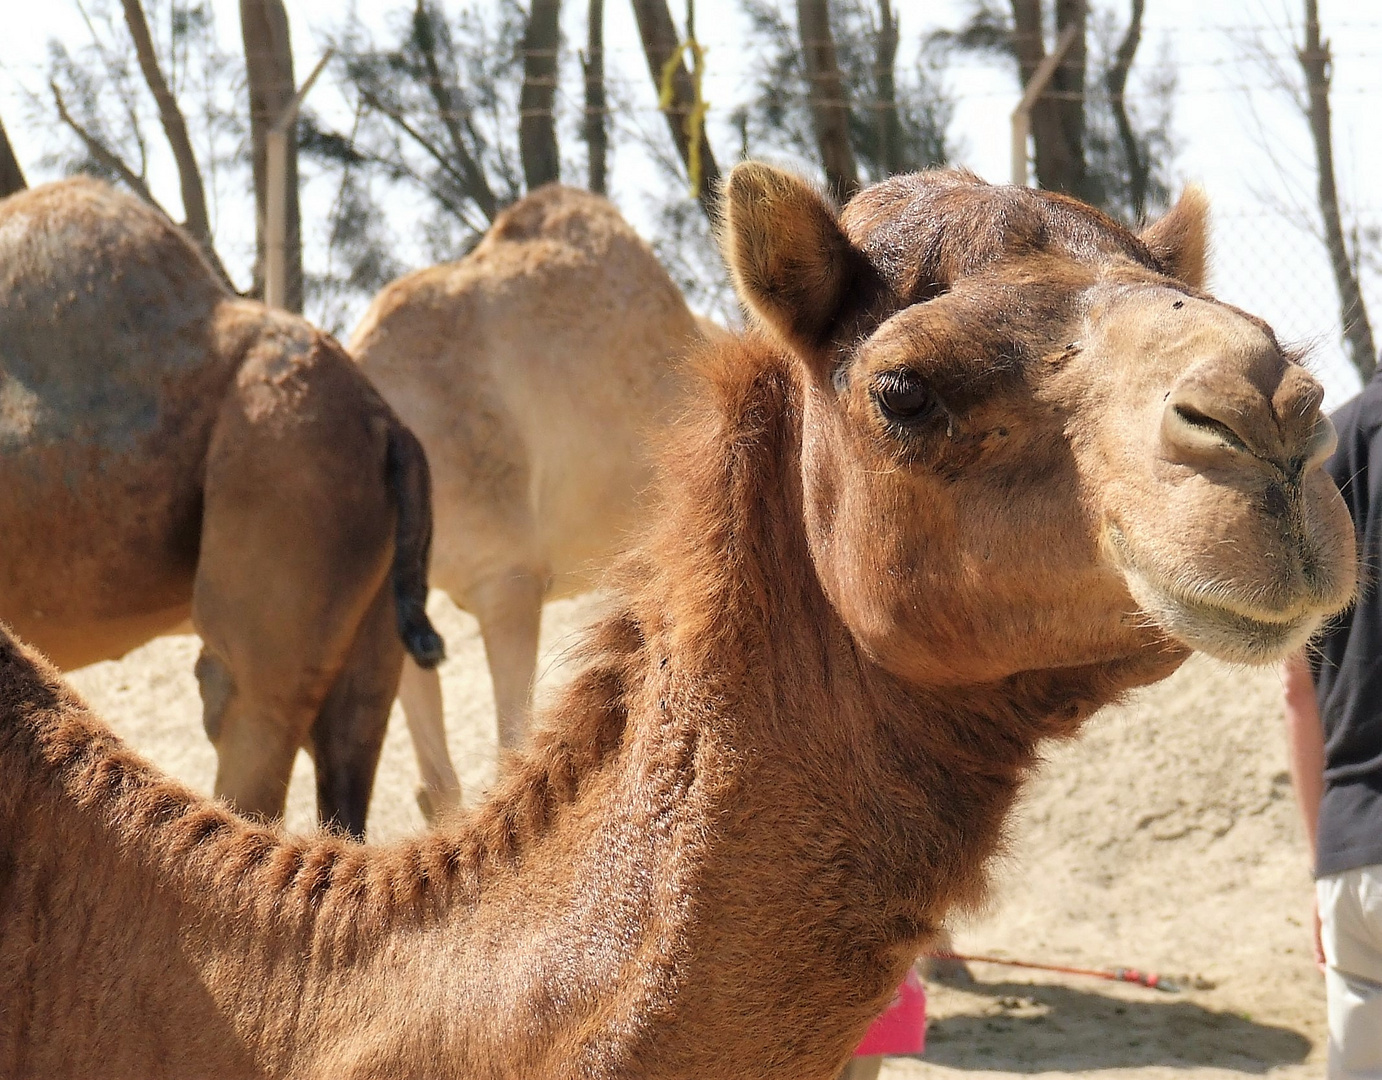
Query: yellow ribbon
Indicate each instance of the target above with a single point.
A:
(695, 117)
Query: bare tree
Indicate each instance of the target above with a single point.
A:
(595, 129)
(436, 127)
(1116, 83)
(827, 97)
(660, 43)
(537, 125)
(11, 175)
(269, 67)
(1316, 61)
(451, 114)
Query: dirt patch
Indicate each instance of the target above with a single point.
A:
(1164, 839)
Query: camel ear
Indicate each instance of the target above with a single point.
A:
(1180, 240)
(791, 262)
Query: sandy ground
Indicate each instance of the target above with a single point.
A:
(1164, 839)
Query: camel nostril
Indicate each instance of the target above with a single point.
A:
(1193, 429)
(1206, 425)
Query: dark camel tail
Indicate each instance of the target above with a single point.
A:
(411, 484)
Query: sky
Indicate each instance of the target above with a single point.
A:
(1237, 136)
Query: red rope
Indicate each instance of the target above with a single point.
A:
(1131, 975)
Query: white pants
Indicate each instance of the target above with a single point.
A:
(1351, 930)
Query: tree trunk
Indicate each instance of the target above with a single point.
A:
(593, 66)
(11, 175)
(1116, 82)
(660, 41)
(1067, 100)
(1057, 122)
(537, 125)
(269, 65)
(885, 63)
(195, 218)
(1315, 60)
(827, 97)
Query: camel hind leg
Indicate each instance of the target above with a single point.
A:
(419, 692)
(255, 741)
(509, 609)
(349, 731)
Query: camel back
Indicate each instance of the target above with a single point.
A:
(104, 305)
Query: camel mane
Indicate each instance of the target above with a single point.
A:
(324, 886)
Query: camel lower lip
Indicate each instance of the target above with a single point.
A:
(1213, 628)
(1192, 617)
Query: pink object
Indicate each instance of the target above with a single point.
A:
(902, 1027)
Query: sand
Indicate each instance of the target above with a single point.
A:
(1164, 838)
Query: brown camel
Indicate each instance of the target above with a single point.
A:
(168, 450)
(994, 461)
(532, 372)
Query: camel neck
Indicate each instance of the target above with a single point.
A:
(771, 826)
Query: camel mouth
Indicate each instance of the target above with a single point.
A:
(1215, 623)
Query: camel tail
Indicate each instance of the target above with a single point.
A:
(411, 484)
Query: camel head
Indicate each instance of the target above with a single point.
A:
(1029, 438)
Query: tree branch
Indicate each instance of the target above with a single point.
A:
(473, 181)
(104, 156)
(108, 159)
(430, 149)
(398, 168)
(174, 127)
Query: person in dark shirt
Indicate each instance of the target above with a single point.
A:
(1334, 720)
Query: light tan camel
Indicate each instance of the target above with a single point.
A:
(168, 450)
(974, 481)
(533, 371)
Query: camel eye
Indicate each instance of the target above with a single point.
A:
(903, 397)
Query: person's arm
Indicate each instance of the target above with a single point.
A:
(1305, 739)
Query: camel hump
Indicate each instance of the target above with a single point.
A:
(103, 308)
(411, 485)
(559, 213)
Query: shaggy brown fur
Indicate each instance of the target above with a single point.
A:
(794, 745)
(168, 450)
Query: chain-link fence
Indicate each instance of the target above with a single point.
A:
(1274, 264)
